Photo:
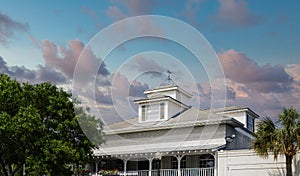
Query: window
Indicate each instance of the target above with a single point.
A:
(162, 110)
(153, 112)
(250, 123)
(156, 164)
(206, 160)
(175, 162)
(144, 112)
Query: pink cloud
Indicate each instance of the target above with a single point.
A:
(41, 74)
(46, 74)
(8, 27)
(65, 59)
(137, 89)
(114, 98)
(146, 65)
(132, 28)
(92, 14)
(266, 104)
(89, 12)
(240, 90)
(235, 13)
(294, 71)
(148, 25)
(21, 73)
(120, 85)
(34, 42)
(123, 88)
(239, 94)
(132, 8)
(137, 7)
(266, 89)
(102, 98)
(239, 68)
(191, 9)
(115, 13)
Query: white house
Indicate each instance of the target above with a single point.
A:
(171, 138)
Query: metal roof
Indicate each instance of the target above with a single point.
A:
(188, 118)
(232, 109)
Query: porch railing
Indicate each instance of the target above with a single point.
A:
(173, 172)
(165, 172)
(198, 172)
(143, 173)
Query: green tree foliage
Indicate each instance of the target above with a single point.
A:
(280, 138)
(90, 125)
(39, 129)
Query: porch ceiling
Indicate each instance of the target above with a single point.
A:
(165, 148)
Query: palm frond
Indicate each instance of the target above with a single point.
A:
(280, 138)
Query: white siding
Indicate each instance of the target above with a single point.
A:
(171, 93)
(240, 116)
(173, 109)
(182, 98)
(247, 163)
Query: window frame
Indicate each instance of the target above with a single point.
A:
(144, 113)
(203, 162)
(250, 123)
(162, 111)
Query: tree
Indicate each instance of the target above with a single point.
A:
(280, 138)
(39, 129)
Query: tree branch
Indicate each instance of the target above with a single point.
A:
(3, 169)
(17, 168)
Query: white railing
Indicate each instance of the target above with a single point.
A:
(143, 173)
(130, 173)
(168, 172)
(173, 172)
(197, 171)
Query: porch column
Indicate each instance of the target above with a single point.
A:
(150, 165)
(216, 163)
(97, 165)
(125, 166)
(97, 169)
(179, 157)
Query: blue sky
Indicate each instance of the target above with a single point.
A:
(256, 41)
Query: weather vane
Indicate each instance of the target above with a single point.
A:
(169, 77)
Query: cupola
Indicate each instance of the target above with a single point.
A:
(162, 103)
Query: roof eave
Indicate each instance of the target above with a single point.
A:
(230, 121)
(239, 110)
(149, 100)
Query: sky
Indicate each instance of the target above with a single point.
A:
(225, 52)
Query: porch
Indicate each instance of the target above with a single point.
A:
(198, 164)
